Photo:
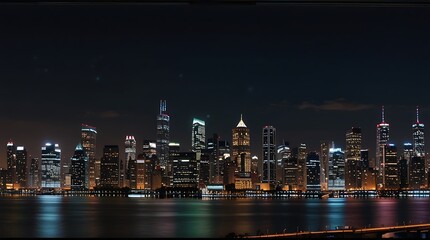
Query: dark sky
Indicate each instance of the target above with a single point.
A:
(311, 71)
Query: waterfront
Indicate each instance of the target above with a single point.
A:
(67, 216)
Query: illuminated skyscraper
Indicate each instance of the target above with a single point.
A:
(301, 167)
(130, 156)
(21, 167)
(185, 173)
(88, 141)
(163, 138)
(110, 167)
(241, 149)
(353, 165)
(79, 169)
(324, 156)
(198, 139)
(313, 172)
(51, 166)
(382, 138)
(34, 174)
(283, 153)
(336, 169)
(390, 175)
(269, 155)
(418, 137)
(11, 164)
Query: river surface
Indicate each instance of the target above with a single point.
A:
(59, 216)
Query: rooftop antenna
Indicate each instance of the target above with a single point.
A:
(417, 116)
(383, 114)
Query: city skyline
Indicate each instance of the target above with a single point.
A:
(296, 68)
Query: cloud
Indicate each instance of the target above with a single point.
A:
(339, 104)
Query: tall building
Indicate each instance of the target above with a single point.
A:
(365, 158)
(149, 148)
(353, 164)
(418, 137)
(241, 149)
(291, 170)
(21, 167)
(163, 138)
(88, 141)
(269, 155)
(390, 175)
(324, 157)
(198, 138)
(110, 167)
(130, 156)
(336, 169)
(313, 172)
(301, 167)
(51, 166)
(382, 138)
(11, 165)
(185, 173)
(34, 173)
(283, 153)
(79, 178)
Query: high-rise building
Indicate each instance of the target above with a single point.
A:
(336, 169)
(185, 173)
(418, 137)
(283, 153)
(364, 153)
(313, 172)
(198, 138)
(291, 170)
(88, 141)
(149, 148)
(390, 175)
(34, 173)
(382, 138)
(353, 164)
(163, 138)
(241, 149)
(11, 165)
(324, 157)
(301, 167)
(79, 178)
(416, 171)
(21, 167)
(110, 167)
(51, 166)
(269, 155)
(130, 156)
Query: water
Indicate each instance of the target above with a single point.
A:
(58, 216)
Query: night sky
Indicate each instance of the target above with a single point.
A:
(311, 71)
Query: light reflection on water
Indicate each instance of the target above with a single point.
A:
(56, 216)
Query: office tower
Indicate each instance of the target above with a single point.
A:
(163, 138)
(283, 152)
(110, 167)
(138, 174)
(313, 172)
(21, 167)
(11, 165)
(198, 138)
(336, 169)
(79, 178)
(241, 149)
(324, 156)
(223, 156)
(3, 174)
(51, 166)
(418, 137)
(390, 175)
(204, 159)
(353, 164)
(403, 173)
(130, 156)
(88, 141)
(149, 148)
(34, 174)
(185, 173)
(364, 154)
(269, 155)
(416, 173)
(65, 173)
(212, 148)
(291, 170)
(301, 165)
(382, 138)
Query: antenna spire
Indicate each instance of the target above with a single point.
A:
(417, 116)
(383, 114)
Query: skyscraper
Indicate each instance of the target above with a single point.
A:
(51, 166)
(11, 164)
(88, 141)
(313, 172)
(149, 148)
(390, 168)
(324, 156)
(198, 139)
(130, 156)
(34, 174)
(269, 155)
(418, 137)
(241, 149)
(21, 166)
(382, 138)
(353, 165)
(79, 169)
(110, 166)
(163, 138)
(301, 167)
(336, 169)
